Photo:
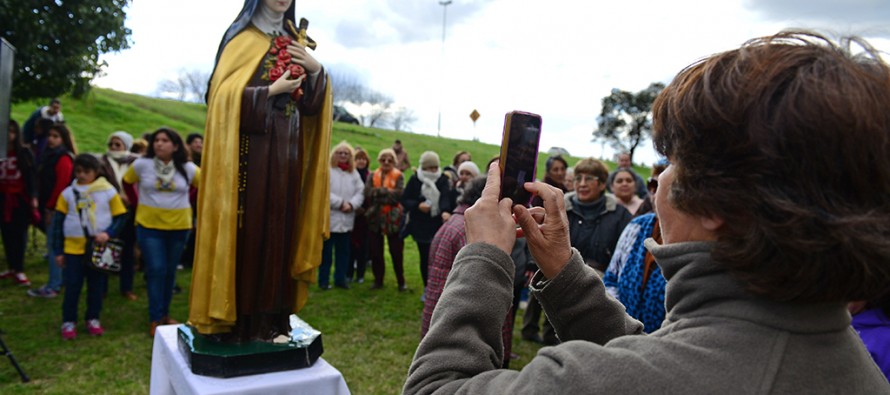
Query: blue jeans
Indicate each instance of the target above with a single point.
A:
(76, 272)
(161, 250)
(341, 242)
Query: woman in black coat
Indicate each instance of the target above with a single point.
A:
(427, 202)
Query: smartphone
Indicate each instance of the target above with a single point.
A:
(519, 155)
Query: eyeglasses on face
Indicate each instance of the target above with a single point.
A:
(342, 153)
(386, 160)
(585, 178)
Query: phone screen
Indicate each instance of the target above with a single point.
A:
(519, 155)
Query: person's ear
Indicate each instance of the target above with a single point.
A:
(711, 223)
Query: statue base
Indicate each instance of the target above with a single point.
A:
(208, 357)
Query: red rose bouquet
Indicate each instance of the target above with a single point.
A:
(279, 60)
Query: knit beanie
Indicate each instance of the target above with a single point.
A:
(124, 137)
(429, 159)
(469, 166)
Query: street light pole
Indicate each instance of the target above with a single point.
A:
(444, 4)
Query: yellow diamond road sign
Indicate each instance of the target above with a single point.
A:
(474, 115)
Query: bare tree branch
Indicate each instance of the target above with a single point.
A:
(347, 87)
(402, 119)
(190, 85)
(379, 108)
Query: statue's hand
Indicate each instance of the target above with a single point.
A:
(285, 85)
(302, 57)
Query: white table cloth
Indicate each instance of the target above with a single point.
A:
(170, 374)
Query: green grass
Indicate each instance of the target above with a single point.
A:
(370, 336)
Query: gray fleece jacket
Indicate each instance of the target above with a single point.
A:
(717, 337)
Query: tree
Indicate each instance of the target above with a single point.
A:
(402, 118)
(190, 85)
(626, 118)
(347, 87)
(378, 106)
(58, 43)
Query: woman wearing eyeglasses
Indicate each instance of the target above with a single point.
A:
(115, 162)
(346, 195)
(383, 190)
(595, 217)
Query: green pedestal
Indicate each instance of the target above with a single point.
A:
(208, 357)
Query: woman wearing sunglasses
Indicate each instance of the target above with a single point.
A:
(115, 162)
(383, 190)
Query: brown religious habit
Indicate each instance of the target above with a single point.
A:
(269, 179)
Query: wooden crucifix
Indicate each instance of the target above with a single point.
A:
(301, 35)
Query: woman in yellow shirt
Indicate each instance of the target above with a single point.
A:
(162, 178)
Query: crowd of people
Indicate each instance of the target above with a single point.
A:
(607, 228)
(139, 192)
(735, 268)
(706, 255)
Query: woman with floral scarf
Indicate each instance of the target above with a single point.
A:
(382, 192)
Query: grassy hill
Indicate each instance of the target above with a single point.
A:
(104, 111)
(369, 335)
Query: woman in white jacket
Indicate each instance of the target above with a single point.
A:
(346, 195)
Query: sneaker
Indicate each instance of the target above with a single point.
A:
(22, 279)
(69, 331)
(42, 292)
(7, 274)
(95, 327)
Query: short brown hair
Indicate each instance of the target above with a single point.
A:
(787, 139)
(361, 154)
(592, 167)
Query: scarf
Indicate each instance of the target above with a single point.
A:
(85, 205)
(118, 165)
(343, 166)
(165, 173)
(649, 260)
(589, 211)
(384, 217)
(429, 190)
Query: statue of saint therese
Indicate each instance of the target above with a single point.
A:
(264, 193)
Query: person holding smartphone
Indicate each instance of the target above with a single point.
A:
(761, 255)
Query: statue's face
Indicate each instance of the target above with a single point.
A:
(278, 6)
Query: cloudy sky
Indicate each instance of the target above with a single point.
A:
(557, 58)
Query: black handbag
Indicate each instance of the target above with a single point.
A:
(104, 258)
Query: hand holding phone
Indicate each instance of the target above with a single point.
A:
(519, 155)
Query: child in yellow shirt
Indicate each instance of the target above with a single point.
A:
(90, 207)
